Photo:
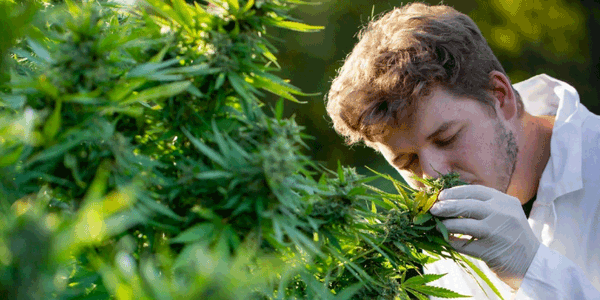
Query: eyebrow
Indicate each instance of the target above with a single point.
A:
(445, 126)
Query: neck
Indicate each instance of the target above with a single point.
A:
(534, 152)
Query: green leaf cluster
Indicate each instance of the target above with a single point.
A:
(137, 161)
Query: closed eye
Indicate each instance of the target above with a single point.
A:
(446, 142)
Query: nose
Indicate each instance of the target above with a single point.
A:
(433, 163)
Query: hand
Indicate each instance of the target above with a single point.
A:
(498, 225)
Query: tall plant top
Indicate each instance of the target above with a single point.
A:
(137, 161)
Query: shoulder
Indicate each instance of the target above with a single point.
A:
(542, 94)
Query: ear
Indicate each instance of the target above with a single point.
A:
(505, 99)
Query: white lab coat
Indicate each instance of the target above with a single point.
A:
(566, 214)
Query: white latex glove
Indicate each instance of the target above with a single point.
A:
(496, 221)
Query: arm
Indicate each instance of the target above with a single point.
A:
(553, 276)
(504, 240)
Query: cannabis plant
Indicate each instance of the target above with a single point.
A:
(138, 160)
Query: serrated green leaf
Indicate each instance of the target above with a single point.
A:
(183, 10)
(367, 179)
(340, 172)
(159, 208)
(210, 153)
(268, 54)
(49, 89)
(211, 175)
(241, 87)
(123, 89)
(323, 180)
(164, 77)
(248, 6)
(300, 239)
(429, 203)
(421, 219)
(295, 26)
(10, 155)
(12, 101)
(315, 287)
(195, 91)
(40, 51)
(160, 56)
(405, 249)
(332, 239)
(70, 161)
(398, 199)
(384, 203)
(442, 229)
(84, 98)
(418, 295)
(235, 4)
(421, 280)
(158, 92)
(55, 150)
(223, 146)
(437, 292)
(359, 190)
(195, 70)
(53, 123)
(276, 87)
(196, 233)
(150, 68)
(358, 272)
(279, 110)
(220, 81)
(349, 292)
(480, 274)
(403, 295)
(419, 200)
(165, 10)
(376, 247)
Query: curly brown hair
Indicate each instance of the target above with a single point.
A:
(399, 58)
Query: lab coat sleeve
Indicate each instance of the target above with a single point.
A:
(553, 276)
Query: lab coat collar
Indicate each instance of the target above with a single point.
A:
(544, 95)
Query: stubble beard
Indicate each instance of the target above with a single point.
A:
(506, 143)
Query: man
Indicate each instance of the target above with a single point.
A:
(423, 88)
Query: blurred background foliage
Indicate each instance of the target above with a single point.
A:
(529, 37)
(124, 192)
(138, 162)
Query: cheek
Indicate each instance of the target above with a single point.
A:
(465, 150)
(473, 153)
(464, 159)
(480, 144)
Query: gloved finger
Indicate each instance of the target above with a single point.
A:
(467, 208)
(477, 192)
(474, 228)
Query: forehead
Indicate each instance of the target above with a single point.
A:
(431, 112)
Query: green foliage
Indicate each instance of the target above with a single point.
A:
(137, 162)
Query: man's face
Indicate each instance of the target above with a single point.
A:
(452, 134)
